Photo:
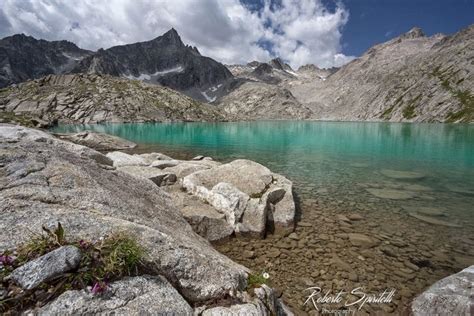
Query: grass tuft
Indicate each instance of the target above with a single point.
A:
(107, 260)
(256, 280)
(409, 112)
(121, 255)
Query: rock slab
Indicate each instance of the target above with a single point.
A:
(44, 180)
(44, 268)
(159, 177)
(142, 295)
(98, 141)
(449, 296)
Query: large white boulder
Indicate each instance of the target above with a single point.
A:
(251, 196)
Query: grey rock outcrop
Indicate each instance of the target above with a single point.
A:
(258, 100)
(121, 159)
(449, 296)
(238, 309)
(98, 141)
(206, 221)
(92, 98)
(241, 197)
(159, 177)
(15, 133)
(151, 157)
(162, 164)
(263, 303)
(186, 168)
(42, 269)
(143, 295)
(44, 180)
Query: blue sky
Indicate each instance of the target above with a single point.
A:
(326, 33)
(375, 21)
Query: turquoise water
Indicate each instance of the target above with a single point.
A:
(334, 156)
(434, 147)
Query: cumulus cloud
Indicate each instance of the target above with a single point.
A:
(298, 31)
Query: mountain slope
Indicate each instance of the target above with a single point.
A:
(24, 57)
(164, 60)
(410, 78)
(90, 98)
(261, 101)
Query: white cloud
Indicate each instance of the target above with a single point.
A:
(298, 31)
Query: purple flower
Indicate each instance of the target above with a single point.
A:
(83, 244)
(6, 260)
(99, 287)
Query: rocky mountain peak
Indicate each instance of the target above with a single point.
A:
(253, 63)
(415, 32)
(277, 63)
(171, 37)
(309, 67)
(263, 68)
(24, 57)
(15, 37)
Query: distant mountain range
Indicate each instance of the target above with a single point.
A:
(409, 78)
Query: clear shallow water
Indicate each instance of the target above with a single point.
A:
(334, 167)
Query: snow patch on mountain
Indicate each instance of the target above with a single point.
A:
(208, 98)
(177, 69)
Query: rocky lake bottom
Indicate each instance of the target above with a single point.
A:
(380, 206)
(358, 241)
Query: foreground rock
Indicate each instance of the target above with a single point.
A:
(239, 309)
(241, 196)
(98, 141)
(449, 296)
(264, 302)
(44, 180)
(33, 273)
(249, 194)
(121, 159)
(143, 295)
(203, 218)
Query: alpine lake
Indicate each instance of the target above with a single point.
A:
(409, 188)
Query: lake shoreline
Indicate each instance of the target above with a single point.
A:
(355, 233)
